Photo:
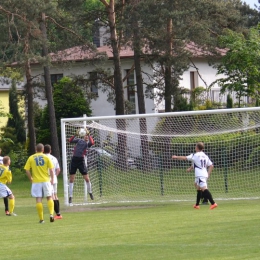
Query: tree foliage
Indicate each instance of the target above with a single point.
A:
(241, 63)
(16, 121)
(70, 102)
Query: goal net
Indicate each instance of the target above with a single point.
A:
(131, 160)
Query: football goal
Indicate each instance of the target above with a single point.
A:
(131, 160)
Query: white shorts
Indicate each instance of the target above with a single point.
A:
(41, 190)
(201, 182)
(4, 191)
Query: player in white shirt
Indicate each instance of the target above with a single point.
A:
(203, 167)
(47, 151)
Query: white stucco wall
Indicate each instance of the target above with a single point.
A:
(207, 72)
(100, 106)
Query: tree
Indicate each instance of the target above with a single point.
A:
(29, 36)
(241, 64)
(115, 44)
(69, 102)
(110, 8)
(16, 121)
(173, 32)
(229, 101)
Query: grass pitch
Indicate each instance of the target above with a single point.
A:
(144, 231)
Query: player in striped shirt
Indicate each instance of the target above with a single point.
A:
(6, 177)
(203, 167)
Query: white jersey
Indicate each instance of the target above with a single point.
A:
(1, 159)
(56, 166)
(200, 163)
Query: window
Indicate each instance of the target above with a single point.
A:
(55, 78)
(93, 83)
(194, 79)
(96, 36)
(131, 89)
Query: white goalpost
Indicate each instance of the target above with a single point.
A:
(131, 159)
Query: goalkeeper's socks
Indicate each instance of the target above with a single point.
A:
(208, 196)
(71, 185)
(199, 194)
(89, 188)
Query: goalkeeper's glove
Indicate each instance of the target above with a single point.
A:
(77, 132)
(87, 132)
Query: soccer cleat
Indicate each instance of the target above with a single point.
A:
(213, 206)
(91, 196)
(12, 215)
(58, 217)
(196, 207)
(51, 218)
(41, 221)
(7, 213)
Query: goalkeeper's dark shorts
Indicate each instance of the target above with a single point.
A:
(78, 163)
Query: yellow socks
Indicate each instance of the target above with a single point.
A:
(50, 204)
(11, 205)
(39, 208)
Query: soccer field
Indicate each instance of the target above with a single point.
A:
(141, 231)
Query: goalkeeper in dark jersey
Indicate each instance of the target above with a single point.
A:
(79, 162)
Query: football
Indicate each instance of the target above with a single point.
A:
(82, 132)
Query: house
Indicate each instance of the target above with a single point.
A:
(76, 63)
(5, 86)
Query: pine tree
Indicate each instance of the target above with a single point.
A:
(16, 121)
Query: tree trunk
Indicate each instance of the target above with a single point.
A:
(119, 90)
(118, 82)
(140, 97)
(48, 89)
(30, 109)
(168, 71)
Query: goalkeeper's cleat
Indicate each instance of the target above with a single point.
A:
(58, 217)
(51, 218)
(41, 221)
(196, 207)
(213, 206)
(91, 196)
(7, 213)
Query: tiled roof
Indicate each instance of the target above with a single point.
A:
(80, 53)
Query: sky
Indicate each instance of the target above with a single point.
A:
(251, 2)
